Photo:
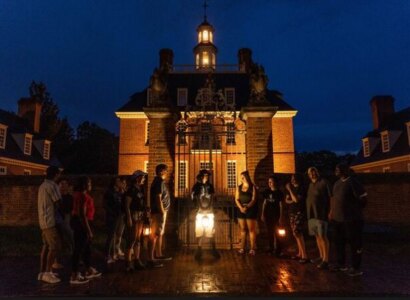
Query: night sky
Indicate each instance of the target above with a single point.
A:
(328, 58)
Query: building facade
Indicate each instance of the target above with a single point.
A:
(23, 151)
(387, 147)
(207, 116)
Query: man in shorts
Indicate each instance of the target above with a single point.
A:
(160, 202)
(48, 196)
(317, 204)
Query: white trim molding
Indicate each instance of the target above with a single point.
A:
(131, 115)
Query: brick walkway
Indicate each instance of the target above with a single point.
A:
(233, 274)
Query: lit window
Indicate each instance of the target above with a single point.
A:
(205, 58)
(197, 61)
(386, 169)
(28, 139)
(366, 148)
(205, 36)
(230, 136)
(205, 165)
(3, 170)
(199, 37)
(385, 141)
(211, 37)
(46, 150)
(230, 96)
(146, 166)
(231, 173)
(213, 60)
(27, 172)
(3, 135)
(182, 97)
(146, 132)
(182, 175)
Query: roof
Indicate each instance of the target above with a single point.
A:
(17, 126)
(194, 81)
(396, 123)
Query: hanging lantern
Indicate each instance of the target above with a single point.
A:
(146, 227)
(281, 231)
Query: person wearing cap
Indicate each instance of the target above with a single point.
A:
(135, 211)
(202, 195)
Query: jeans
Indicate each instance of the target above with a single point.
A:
(82, 245)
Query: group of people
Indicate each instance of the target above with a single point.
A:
(68, 218)
(317, 205)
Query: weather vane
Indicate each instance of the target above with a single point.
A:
(205, 6)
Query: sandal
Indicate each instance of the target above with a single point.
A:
(241, 251)
(252, 252)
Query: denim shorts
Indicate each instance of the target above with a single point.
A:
(317, 227)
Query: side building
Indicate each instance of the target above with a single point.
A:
(387, 147)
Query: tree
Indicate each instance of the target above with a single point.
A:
(324, 160)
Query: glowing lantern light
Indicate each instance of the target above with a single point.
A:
(146, 227)
(281, 232)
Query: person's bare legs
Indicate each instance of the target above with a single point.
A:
(242, 227)
(325, 248)
(319, 246)
(251, 224)
(137, 244)
(301, 245)
(43, 259)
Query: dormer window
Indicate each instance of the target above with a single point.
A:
(3, 135)
(182, 97)
(366, 147)
(46, 150)
(28, 142)
(230, 96)
(385, 141)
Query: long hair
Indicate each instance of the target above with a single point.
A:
(315, 169)
(248, 178)
(82, 184)
(298, 178)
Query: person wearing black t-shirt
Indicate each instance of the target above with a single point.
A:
(135, 210)
(296, 200)
(272, 214)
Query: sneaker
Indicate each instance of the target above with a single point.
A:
(241, 251)
(354, 272)
(139, 265)
(92, 274)
(39, 276)
(316, 260)
(110, 260)
(79, 280)
(154, 264)
(252, 252)
(49, 278)
(164, 257)
(216, 254)
(198, 254)
(323, 265)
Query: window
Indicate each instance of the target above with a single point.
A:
(46, 150)
(386, 169)
(27, 172)
(146, 166)
(181, 131)
(211, 36)
(3, 135)
(213, 60)
(366, 148)
(3, 170)
(230, 135)
(205, 35)
(182, 175)
(197, 60)
(182, 97)
(385, 141)
(146, 132)
(205, 165)
(28, 140)
(231, 173)
(230, 96)
(205, 58)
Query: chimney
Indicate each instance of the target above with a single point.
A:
(382, 109)
(245, 59)
(166, 58)
(30, 109)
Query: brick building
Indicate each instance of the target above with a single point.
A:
(207, 115)
(23, 150)
(387, 147)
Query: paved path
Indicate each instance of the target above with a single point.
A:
(233, 274)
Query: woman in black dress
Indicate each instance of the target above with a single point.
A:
(245, 200)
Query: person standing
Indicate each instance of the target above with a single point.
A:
(81, 222)
(296, 200)
(272, 212)
(317, 204)
(203, 196)
(114, 218)
(245, 200)
(66, 206)
(346, 213)
(135, 206)
(48, 196)
(160, 202)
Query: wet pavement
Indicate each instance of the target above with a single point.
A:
(386, 273)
